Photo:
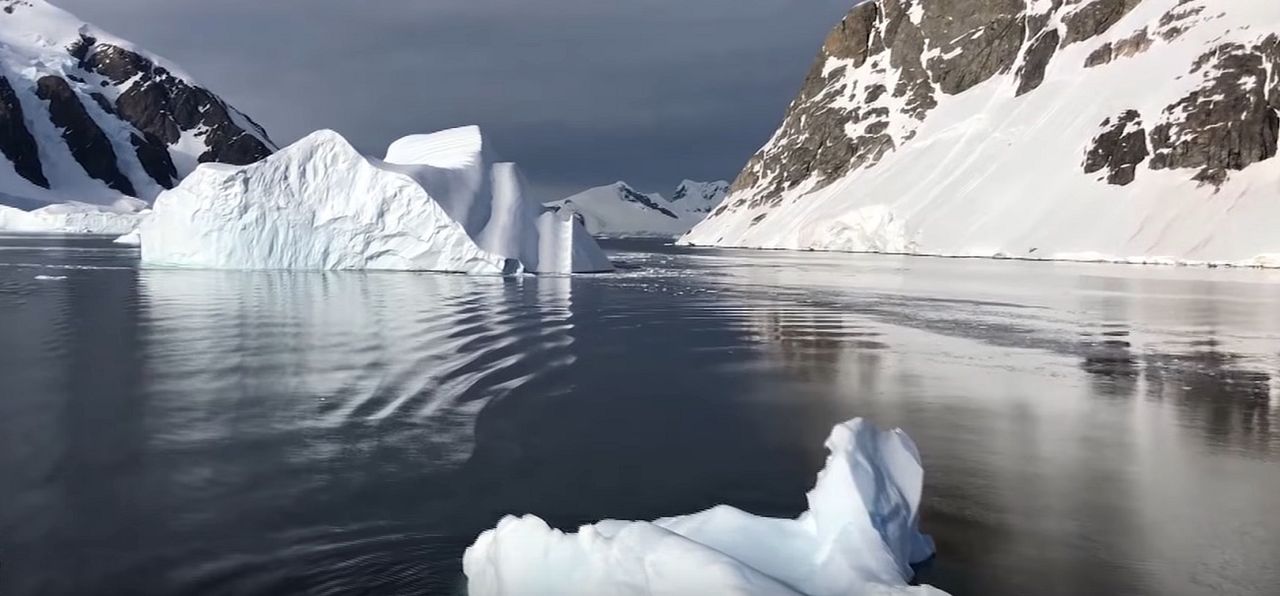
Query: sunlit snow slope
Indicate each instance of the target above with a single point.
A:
(86, 116)
(1141, 130)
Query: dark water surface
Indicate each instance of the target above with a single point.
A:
(1086, 429)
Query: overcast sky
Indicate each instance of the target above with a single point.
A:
(579, 92)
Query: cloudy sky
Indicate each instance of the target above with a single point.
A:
(579, 92)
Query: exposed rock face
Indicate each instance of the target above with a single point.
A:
(132, 123)
(155, 160)
(814, 141)
(88, 144)
(1031, 74)
(976, 39)
(1119, 149)
(1135, 44)
(1094, 18)
(163, 106)
(16, 141)
(869, 88)
(631, 195)
(1229, 121)
(1179, 18)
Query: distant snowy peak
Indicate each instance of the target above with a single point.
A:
(88, 116)
(700, 197)
(1030, 128)
(619, 209)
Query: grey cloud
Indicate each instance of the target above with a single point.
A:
(580, 92)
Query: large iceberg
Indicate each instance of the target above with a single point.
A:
(439, 202)
(859, 536)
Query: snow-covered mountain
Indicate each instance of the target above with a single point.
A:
(1081, 129)
(618, 210)
(89, 117)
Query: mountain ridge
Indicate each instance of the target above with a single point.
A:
(619, 210)
(87, 116)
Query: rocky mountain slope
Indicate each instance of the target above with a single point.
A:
(87, 116)
(1081, 129)
(618, 210)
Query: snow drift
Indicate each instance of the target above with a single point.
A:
(438, 203)
(1132, 130)
(858, 537)
(618, 210)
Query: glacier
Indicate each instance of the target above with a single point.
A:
(438, 202)
(1079, 149)
(859, 536)
(619, 211)
(120, 217)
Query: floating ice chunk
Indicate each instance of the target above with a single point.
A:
(50, 277)
(859, 536)
(133, 238)
(319, 204)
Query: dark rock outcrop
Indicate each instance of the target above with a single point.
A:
(16, 141)
(1041, 51)
(977, 40)
(1176, 22)
(155, 160)
(630, 195)
(1229, 122)
(1135, 44)
(103, 103)
(88, 144)
(163, 106)
(1093, 18)
(1120, 148)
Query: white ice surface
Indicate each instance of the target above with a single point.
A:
(121, 217)
(438, 203)
(859, 536)
(133, 238)
(990, 174)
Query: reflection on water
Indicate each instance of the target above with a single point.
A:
(327, 350)
(1086, 429)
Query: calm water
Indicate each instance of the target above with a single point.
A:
(1086, 429)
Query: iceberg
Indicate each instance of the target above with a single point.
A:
(859, 536)
(121, 217)
(438, 202)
